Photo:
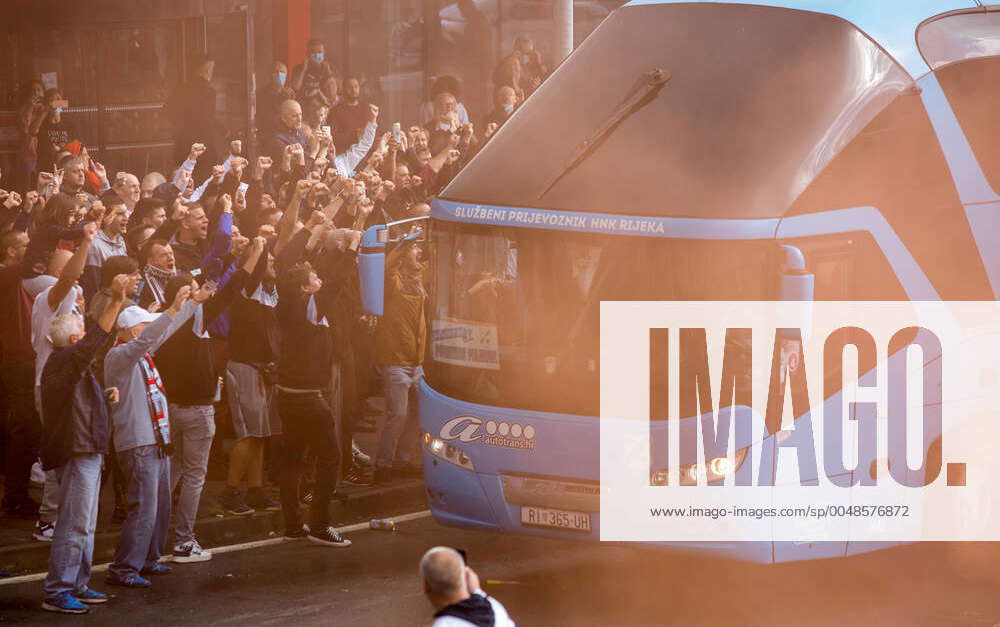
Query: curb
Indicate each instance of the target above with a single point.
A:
(219, 530)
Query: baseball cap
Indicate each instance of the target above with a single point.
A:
(131, 316)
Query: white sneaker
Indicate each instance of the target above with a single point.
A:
(360, 457)
(190, 551)
(44, 531)
(37, 475)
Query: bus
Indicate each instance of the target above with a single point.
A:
(765, 150)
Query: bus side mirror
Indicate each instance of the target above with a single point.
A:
(795, 282)
(371, 269)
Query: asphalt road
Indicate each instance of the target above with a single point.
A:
(375, 582)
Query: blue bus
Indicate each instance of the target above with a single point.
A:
(842, 150)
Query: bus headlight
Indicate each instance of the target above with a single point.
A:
(446, 452)
(717, 469)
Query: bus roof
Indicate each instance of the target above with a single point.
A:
(891, 24)
(703, 110)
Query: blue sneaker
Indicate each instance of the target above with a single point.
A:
(64, 603)
(156, 569)
(128, 581)
(92, 597)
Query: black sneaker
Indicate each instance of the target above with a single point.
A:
(297, 534)
(356, 476)
(328, 537)
(383, 476)
(259, 500)
(232, 502)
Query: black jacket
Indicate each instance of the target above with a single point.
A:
(186, 362)
(306, 349)
(76, 416)
(306, 353)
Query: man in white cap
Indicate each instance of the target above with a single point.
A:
(453, 589)
(142, 435)
(74, 443)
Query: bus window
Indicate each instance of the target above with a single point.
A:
(849, 266)
(964, 52)
(517, 311)
(973, 90)
(896, 165)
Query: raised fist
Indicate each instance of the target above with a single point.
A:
(315, 219)
(303, 186)
(204, 292)
(182, 297)
(12, 200)
(120, 285)
(89, 231)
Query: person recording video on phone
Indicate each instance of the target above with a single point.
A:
(53, 130)
(454, 591)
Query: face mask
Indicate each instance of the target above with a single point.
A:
(525, 59)
(279, 78)
(508, 108)
(57, 111)
(317, 57)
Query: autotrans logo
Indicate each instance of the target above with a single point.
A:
(490, 432)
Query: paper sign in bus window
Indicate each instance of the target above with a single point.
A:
(465, 343)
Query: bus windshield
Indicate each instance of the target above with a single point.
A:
(758, 101)
(515, 318)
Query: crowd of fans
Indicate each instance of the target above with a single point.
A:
(139, 310)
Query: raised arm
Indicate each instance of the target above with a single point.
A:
(74, 267)
(440, 159)
(296, 248)
(357, 152)
(126, 355)
(236, 282)
(213, 261)
(287, 223)
(119, 287)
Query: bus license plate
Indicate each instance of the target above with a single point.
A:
(560, 519)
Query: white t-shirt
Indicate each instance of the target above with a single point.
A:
(500, 616)
(41, 319)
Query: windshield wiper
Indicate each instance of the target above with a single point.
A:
(643, 93)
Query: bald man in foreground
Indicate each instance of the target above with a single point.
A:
(453, 589)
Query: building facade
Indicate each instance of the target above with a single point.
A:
(117, 61)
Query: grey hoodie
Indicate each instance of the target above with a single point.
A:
(133, 424)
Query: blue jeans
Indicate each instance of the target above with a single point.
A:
(191, 431)
(73, 543)
(144, 532)
(400, 435)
